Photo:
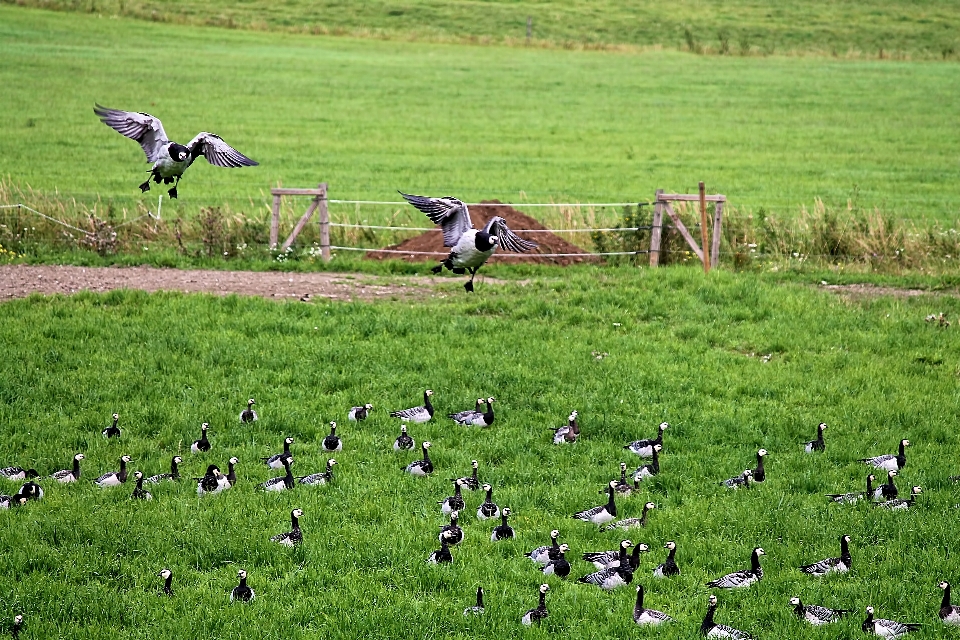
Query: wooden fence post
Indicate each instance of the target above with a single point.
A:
(717, 227)
(302, 222)
(324, 223)
(704, 232)
(275, 222)
(655, 231)
(678, 223)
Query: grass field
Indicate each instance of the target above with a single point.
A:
(681, 348)
(370, 117)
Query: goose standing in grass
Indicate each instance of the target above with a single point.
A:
(276, 460)
(113, 431)
(18, 473)
(169, 159)
(488, 508)
(417, 414)
(669, 566)
(173, 476)
(831, 565)
(949, 613)
(455, 502)
(623, 487)
(469, 413)
(744, 577)
(648, 470)
(815, 614)
(631, 523)
(604, 513)
(503, 530)
(452, 531)
(323, 477)
(644, 616)
(818, 444)
(644, 448)
(900, 503)
(17, 625)
(332, 442)
(403, 442)
(283, 483)
(534, 616)
(167, 576)
(139, 493)
(545, 553)
(479, 419)
(421, 467)
(854, 496)
(743, 480)
(230, 479)
(471, 483)
(358, 414)
(478, 609)
(210, 482)
(558, 566)
(293, 537)
(114, 478)
(887, 628)
(241, 592)
(442, 555)
(889, 462)
(711, 629)
(612, 577)
(69, 475)
(568, 433)
(888, 490)
(202, 445)
(759, 475)
(248, 414)
(470, 248)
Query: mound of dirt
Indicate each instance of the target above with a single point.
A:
(432, 241)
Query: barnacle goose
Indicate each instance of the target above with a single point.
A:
(332, 442)
(649, 470)
(743, 480)
(421, 467)
(282, 483)
(17, 625)
(230, 479)
(202, 445)
(113, 431)
(828, 565)
(558, 566)
(669, 566)
(470, 248)
(7, 502)
(169, 159)
(210, 482)
(623, 487)
(454, 502)
(611, 559)
(711, 629)
(949, 613)
(172, 476)
(139, 493)
(568, 433)
(403, 442)
(543, 554)
(470, 483)
(759, 475)
(887, 628)
(417, 414)
(488, 508)
(503, 530)
(644, 448)
(276, 460)
(644, 616)
(631, 523)
(889, 462)
(744, 577)
(31, 490)
(356, 414)
(461, 415)
(887, 490)
(818, 444)
(248, 414)
(603, 513)
(442, 555)
(479, 418)
(114, 478)
(612, 577)
(534, 616)
(293, 537)
(69, 475)
(855, 495)
(815, 614)
(167, 576)
(18, 473)
(478, 609)
(242, 592)
(900, 503)
(454, 533)
(323, 477)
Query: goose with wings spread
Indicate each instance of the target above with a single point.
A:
(170, 159)
(471, 248)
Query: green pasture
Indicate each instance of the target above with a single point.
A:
(519, 124)
(676, 346)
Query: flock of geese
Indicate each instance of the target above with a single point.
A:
(614, 568)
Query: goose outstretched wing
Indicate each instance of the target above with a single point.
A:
(448, 212)
(507, 239)
(142, 127)
(217, 152)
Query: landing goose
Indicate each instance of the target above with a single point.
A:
(248, 414)
(282, 483)
(631, 523)
(174, 474)
(855, 495)
(293, 537)
(417, 414)
(743, 480)
(831, 565)
(403, 442)
(241, 592)
(478, 609)
(114, 478)
(202, 445)
(503, 531)
(169, 159)
(421, 467)
(649, 470)
(949, 613)
(669, 566)
(18, 473)
(470, 248)
(323, 477)
(569, 433)
(711, 629)
(479, 418)
(442, 555)
(887, 628)
(230, 479)
(167, 576)
(900, 503)
(889, 462)
(644, 448)
(357, 414)
(603, 513)
(113, 431)
(452, 532)
(468, 413)
(623, 487)
(470, 483)
(455, 502)
(888, 490)
(332, 442)
(759, 475)
(744, 577)
(612, 577)
(543, 554)
(558, 566)
(69, 475)
(644, 616)
(210, 482)
(276, 460)
(815, 614)
(139, 493)
(818, 444)
(488, 509)
(612, 559)
(534, 616)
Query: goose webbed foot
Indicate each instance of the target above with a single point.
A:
(468, 285)
(438, 268)
(172, 193)
(157, 178)
(145, 186)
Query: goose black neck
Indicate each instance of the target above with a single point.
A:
(643, 516)
(553, 539)
(243, 582)
(426, 454)
(329, 467)
(799, 610)
(139, 484)
(166, 584)
(474, 473)
(869, 485)
(672, 553)
(623, 475)
(427, 404)
(655, 464)
(480, 598)
(174, 470)
(489, 495)
(639, 605)
(755, 562)
(458, 490)
(868, 623)
(902, 451)
(611, 505)
(295, 521)
(76, 468)
(845, 551)
(488, 414)
(543, 601)
(945, 604)
(288, 478)
(635, 556)
(708, 622)
(333, 430)
(503, 519)
(286, 445)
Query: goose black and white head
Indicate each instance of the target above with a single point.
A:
(711, 629)
(887, 628)
(173, 476)
(356, 414)
(12, 502)
(210, 482)
(139, 493)
(471, 483)
(282, 483)
(478, 418)
(888, 490)
(202, 445)
(169, 159)
(241, 592)
(648, 470)
(248, 414)
(167, 576)
(623, 488)
(534, 616)
(17, 625)
(855, 496)
(889, 462)
(613, 577)
(558, 566)
(452, 532)
(743, 480)
(603, 513)
(644, 448)
(759, 475)
(478, 608)
(422, 467)
(543, 554)
(18, 473)
(69, 475)
(324, 477)
(900, 503)
(421, 414)
(332, 442)
(832, 565)
(403, 442)
(647, 617)
(276, 460)
(744, 577)
(293, 537)
(669, 566)
(230, 478)
(818, 444)
(113, 431)
(442, 555)
(502, 531)
(815, 614)
(114, 478)
(632, 523)
(455, 502)
(488, 508)
(948, 613)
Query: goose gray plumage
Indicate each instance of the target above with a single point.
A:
(568, 433)
(18, 473)
(69, 475)
(669, 566)
(248, 414)
(887, 628)
(818, 444)
(900, 503)
(744, 577)
(648, 470)
(113, 431)
(403, 442)
(949, 613)
(631, 523)
(293, 537)
(471, 482)
(283, 483)
(417, 414)
(468, 413)
(230, 479)
(832, 565)
(202, 445)
(602, 514)
(558, 566)
(888, 490)
(612, 577)
(174, 474)
(889, 462)
(815, 614)
(644, 616)
(357, 414)
(743, 480)
(332, 442)
(478, 609)
(543, 554)
(534, 616)
(422, 467)
(241, 592)
(323, 477)
(139, 493)
(114, 478)
(502, 531)
(855, 495)
(644, 448)
(276, 460)
(711, 629)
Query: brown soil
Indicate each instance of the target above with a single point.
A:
(871, 290)
(548, 243)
